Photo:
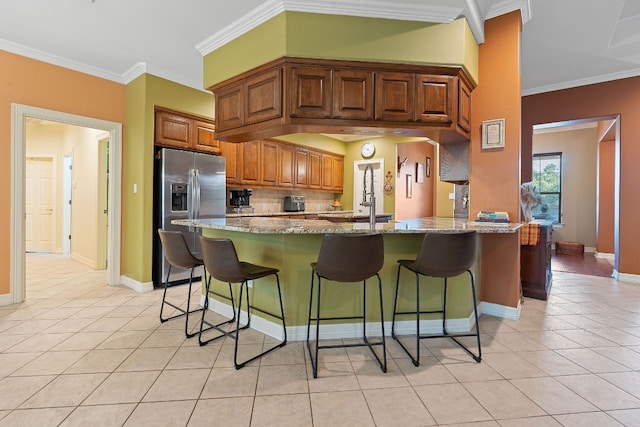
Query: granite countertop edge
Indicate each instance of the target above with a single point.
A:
(266, 225)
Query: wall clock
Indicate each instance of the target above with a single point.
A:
(368, 149)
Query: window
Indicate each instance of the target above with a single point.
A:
(547, 177)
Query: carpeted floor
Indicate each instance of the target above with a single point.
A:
(581, 264)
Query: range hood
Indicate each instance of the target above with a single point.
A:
(303, 95)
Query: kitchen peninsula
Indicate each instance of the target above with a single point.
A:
(292, 244)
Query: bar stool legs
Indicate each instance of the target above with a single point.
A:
(182, 312)
(221, 261)
(347, 259)
(454, 337)
(442, 255)
(313, 354)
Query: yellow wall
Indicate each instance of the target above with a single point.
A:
(34, 83)
(143, 94)
(309, 35)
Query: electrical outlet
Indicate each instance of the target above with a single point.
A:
(250, 283)
(452, 196)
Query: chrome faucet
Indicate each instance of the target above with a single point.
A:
(371, 203)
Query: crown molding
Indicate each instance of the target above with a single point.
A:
(506, 6)
(255, 17)
(134, 72)
(60, 61)
(582, 82)
(363, 8)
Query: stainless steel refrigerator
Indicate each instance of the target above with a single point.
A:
(187, 185)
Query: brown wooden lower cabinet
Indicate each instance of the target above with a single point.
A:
(535, 265)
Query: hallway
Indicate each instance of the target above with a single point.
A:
(79, 353)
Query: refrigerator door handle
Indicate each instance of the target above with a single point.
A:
(196, 193)
(191, 197)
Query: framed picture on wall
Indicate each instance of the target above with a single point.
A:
(409, 186)
(493, 134)
(427, 170)
(419, 173)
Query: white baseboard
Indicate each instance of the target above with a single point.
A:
(589, 249)
(626, 277)
(604, 255)
(135, 285)
(83, 260)
(343, 330)
(6, 299)
(502, 311)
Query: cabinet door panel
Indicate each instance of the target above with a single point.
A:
(286, 165)
(269, 163)
(394, 100)
(229, 150)
(435, 99)
(250, 164)
(172, 130)
(229, 107)
(315, 170)
(264, 97)
(302, 168)
(353, 94)
(464, 108)
(310, 92)
(204, 138)
(338, 174)
(327, 172)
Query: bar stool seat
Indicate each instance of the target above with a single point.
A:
(347, 258)
(222, 263)
(178, 254)
(442, 255)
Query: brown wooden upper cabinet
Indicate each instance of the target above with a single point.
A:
(310, 92)
(186, 132)
(276, 164)
(295, 95)
(395, 94)
(353, 94)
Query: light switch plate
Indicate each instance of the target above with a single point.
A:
(452, 196)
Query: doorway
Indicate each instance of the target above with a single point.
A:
(19, 114)
(589, 185)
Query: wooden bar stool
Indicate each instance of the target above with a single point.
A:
(221, 261)
(178, 254)
(347, 258)
(441, 255)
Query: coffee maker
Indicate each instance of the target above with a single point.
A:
(240, 199)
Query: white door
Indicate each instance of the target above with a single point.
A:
(359, 182)
(39, 204)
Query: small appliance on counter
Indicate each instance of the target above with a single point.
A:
(294, 204)
(239, 201)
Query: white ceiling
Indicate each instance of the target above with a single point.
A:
(565, 43)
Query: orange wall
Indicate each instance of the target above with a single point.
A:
(37, 84)
(421, 203)
(595, 101)
(495, 173)
(606, 174)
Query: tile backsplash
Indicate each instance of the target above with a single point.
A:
(272, 201)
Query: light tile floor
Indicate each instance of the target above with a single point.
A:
(79, 353)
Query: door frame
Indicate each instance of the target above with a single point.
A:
(19, 114)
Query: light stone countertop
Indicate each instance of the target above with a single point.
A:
(267, 225)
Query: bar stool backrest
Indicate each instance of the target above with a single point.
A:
(446, 254)
(221, 260)
(350, 257)
(176, 249)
